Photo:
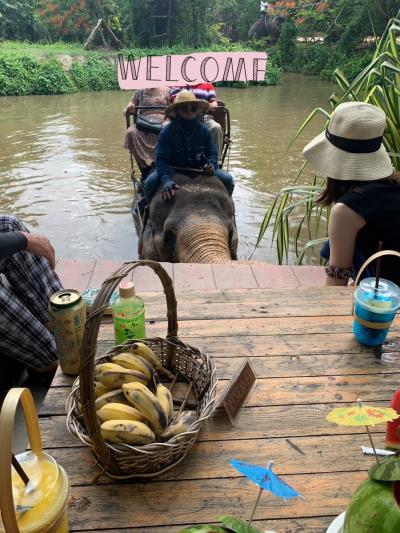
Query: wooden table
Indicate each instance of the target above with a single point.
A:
(307, 362)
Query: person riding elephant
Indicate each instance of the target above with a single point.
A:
(184, 145)
(267, 26)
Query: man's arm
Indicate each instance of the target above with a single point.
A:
(344, 224)
(163, 155)
(17, 241)
(210, 149)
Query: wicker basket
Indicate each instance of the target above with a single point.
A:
(186, 363)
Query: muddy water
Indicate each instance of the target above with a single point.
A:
(63, 169)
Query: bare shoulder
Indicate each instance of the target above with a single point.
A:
(343, 215)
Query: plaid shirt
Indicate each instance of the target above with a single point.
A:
(25, 288)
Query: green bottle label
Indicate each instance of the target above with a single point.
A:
(129, 324)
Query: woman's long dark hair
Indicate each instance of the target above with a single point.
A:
(336, 188)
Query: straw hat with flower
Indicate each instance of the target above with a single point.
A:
(183, 98)
(351, 147)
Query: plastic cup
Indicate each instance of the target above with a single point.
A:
(41, 505)
(374, 310)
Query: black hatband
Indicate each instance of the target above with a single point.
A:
(354, 146)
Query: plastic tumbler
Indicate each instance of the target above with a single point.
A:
(40, 506)
(374, 310)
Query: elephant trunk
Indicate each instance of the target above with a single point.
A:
(203, 243)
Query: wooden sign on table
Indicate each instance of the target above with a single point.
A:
(237, 391)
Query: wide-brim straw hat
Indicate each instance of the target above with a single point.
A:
(186, 97)
(351, 147)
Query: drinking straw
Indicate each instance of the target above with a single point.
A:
(19, 470)
(378, 270)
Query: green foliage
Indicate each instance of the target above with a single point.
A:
(21, 74)
(95, 74)
(20, 20)
(294, 212)
(286, 44)
(50, 78)
(230, 524)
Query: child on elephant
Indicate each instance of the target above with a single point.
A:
(184, 146)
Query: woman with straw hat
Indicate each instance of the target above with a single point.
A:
(362, 186)
(184, 146)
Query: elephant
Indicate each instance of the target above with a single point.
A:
(196, 226)
(267, 27)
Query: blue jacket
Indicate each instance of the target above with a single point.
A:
(183, 146)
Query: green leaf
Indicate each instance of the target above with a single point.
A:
(203, 528)
(237, 524)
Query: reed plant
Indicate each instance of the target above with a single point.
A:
(294, 215)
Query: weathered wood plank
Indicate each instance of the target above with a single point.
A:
(158, 504)
(288, 525)
(289, 365)
(253, 423)
(285, 391)
(263, 296)
(253, 327)
(208, 460)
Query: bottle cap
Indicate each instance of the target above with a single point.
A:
(126, 289)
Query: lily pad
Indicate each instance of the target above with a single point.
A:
(237, 525)
(388, 469)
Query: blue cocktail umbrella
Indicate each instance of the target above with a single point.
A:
(265, 479)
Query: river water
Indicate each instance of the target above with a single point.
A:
(64, 172)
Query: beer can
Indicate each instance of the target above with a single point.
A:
(68, 312)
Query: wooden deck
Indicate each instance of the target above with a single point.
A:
(300, 343)
(80, 275)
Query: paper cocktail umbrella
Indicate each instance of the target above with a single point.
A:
(362, 415)
(265, 479)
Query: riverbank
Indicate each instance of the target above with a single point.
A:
(60, 68)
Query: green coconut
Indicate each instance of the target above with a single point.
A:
(374, 508)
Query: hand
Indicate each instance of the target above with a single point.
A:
(39, 245)
(208, 170)
(129, 109)
(168, 190)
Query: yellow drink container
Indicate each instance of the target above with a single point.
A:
(40, 506)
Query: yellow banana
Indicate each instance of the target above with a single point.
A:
(139, 348)
(110, 397)
(185, 419)
(165, 398)
(127, 431)
(134, 362)
(102, 367)
(114, 379)
(119, 411)
(147, 403)
(100, 389)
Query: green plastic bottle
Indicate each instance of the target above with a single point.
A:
(128, 314)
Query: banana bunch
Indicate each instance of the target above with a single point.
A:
(180, 425)
(127, 431)
(129, 412)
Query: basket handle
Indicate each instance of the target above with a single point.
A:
(372, 258)
(89, 344)
(7, 418)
